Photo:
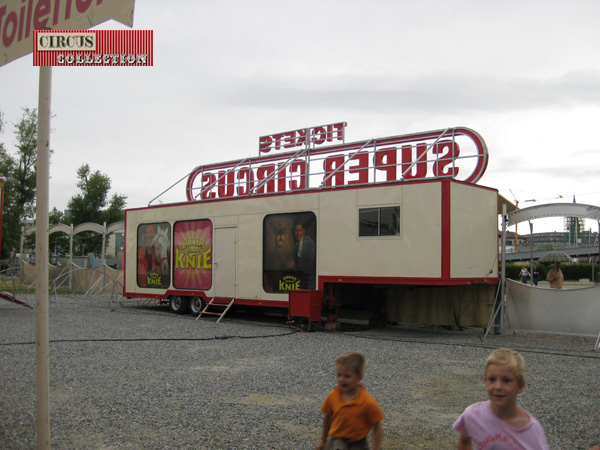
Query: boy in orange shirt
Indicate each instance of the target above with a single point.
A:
(350, 412)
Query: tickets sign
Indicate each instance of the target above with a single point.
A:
(453, 153)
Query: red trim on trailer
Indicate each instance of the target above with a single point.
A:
(446, 235)
(425, 282)
(255, 302)
(219, 300)
(405, 281)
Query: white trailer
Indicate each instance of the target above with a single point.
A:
(407, 247)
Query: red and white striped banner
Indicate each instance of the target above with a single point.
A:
(93, 48)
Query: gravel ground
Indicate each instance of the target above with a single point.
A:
(131, 376)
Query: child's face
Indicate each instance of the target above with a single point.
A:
(347, 378)
(502, 386)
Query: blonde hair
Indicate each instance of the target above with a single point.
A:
(511, 359)
(353, 360)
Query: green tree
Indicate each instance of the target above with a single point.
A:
(20, 174)
(91, 205)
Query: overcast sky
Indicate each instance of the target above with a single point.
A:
(524, 74)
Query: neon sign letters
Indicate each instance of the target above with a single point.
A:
(453, 153)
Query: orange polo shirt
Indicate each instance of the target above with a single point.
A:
(354, 419)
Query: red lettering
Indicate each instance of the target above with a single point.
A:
(42, 10)
(361, 168)
(225, 183)
(247, 175)
(2, 13)
(289, 139)
(301, 137)
(21, 19)
(297, 138)
(329, 133)
(9, 30)
(301, 182)
(414, 154)
(330, 165)
(263, 177)
(277, 139)
(208, 183)
(56, 11)
(68, 10)
(82, 5)
(446, 159)
(189, 188)
(320, 131)
(340, 130)
(417, 169)
(264, 144)
(281, 177)
(385, 159)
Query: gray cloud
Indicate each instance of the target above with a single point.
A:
(437, 92)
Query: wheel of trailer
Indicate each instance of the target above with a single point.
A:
(197, 304)
(179, 304)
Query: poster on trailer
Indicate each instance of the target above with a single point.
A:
(154, 255)
(289, 251)
(193, 254)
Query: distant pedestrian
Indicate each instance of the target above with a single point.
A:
(555, 277)
(536, 275)
(350, 412)
(524, 274)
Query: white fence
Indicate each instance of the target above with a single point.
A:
(560, 311)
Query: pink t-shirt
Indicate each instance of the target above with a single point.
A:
(490, 433)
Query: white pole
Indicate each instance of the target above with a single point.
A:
(531, 275)
(41, 261)
(503, 277)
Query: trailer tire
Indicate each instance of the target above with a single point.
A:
(179, 304)
(197, 304)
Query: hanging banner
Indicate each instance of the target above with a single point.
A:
(19, 19)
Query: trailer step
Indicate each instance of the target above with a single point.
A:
(213, 304)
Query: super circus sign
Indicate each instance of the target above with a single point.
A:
(454, 153)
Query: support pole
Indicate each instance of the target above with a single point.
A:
(41, 261)
(2, 208)
(503, 278)
(531, 275)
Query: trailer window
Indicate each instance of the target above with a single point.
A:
(383, 221)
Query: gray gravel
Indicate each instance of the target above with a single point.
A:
(130, 376)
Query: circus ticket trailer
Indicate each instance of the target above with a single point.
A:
(395, 227)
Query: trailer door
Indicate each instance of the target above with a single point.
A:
(224, 262)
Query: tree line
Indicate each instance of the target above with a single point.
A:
(91, 204)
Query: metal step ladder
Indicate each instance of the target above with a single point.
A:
(214, 304)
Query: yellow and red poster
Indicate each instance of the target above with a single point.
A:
(192, 260)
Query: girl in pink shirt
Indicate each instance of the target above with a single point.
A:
(499, 423)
